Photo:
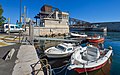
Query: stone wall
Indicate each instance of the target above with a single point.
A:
(42, 31)
(56, 23)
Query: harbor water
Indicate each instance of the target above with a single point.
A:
(111, 39)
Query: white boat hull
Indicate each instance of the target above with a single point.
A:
(88, 65)
(65, 51)
(58, 55)
(78, 35)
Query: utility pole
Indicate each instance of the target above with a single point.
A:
(24, 16)
(20, 11)
(8, 26)
(20, 18)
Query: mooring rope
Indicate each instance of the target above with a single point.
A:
(66, 72)
(103, 71)
(63, 68)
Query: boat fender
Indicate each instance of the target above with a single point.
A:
(109, 61)
(106, 56)
(84, 53)
(88, 44)
(110, 48)
(112, 54)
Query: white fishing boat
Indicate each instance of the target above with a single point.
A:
(90, 59)
(78, 35)
(61, 50)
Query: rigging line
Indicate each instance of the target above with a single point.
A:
(66, 72)
(59, 71)
(60, 67)
(85, 70)
(53, 71)
(103, 71)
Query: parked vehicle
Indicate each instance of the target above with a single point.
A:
(11, 28)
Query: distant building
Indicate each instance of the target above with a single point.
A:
(111, 26)
(51, 20)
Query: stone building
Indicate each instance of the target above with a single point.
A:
(51, 20)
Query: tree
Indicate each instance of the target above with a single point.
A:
(2, 18)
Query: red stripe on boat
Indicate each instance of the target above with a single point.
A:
(96, 40)
(82, 70)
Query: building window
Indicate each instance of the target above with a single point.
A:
(60, 16)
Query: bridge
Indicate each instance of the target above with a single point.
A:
(74, 21)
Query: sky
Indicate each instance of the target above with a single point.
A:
(87, 10)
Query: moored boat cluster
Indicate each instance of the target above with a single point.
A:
(83, 59)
